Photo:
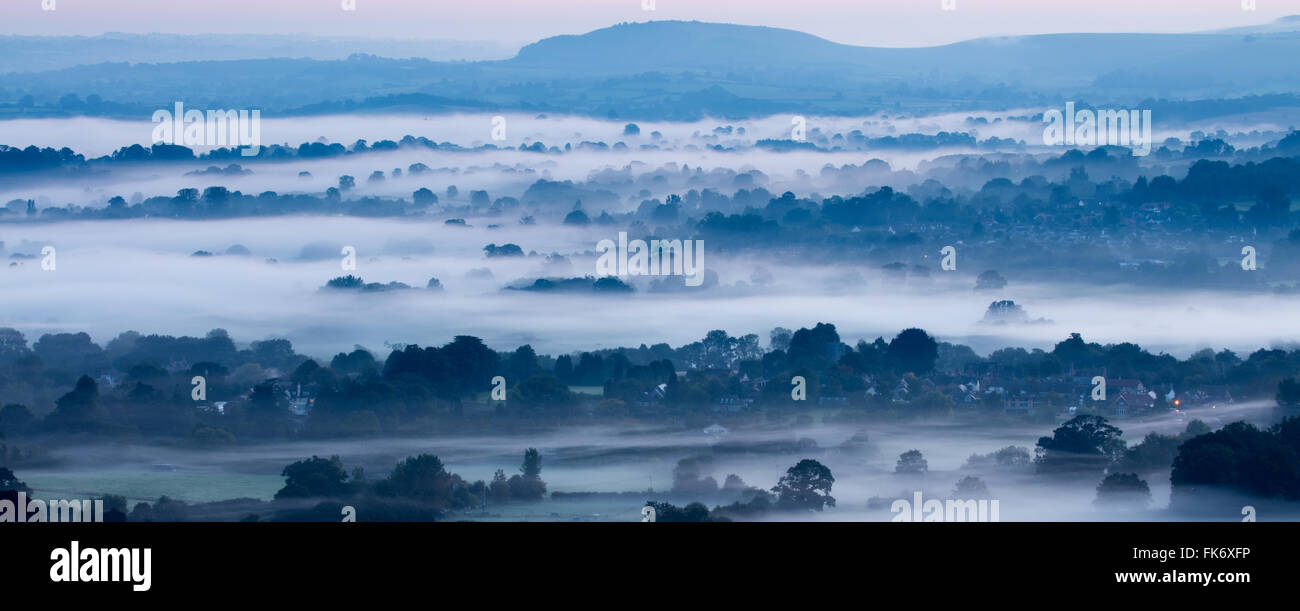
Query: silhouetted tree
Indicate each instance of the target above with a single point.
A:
(911, 462)
(807, 485)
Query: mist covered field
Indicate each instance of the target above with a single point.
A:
(638, 462)
(138, 275)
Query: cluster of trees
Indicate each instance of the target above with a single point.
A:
(355, 283)
(1028, 193)
(422, 480)
(1008, 214)
(1242, 458)
(804, 487)
(139, 385)
(1238, 458)
(142, 385)
(419, 488)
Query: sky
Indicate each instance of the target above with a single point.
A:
(862, 22)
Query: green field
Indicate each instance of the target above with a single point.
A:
(135, 485)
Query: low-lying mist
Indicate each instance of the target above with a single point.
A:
(710, 144)
(114, 276)
(614, 459)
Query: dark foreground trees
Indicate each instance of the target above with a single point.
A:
(1242, 458)
(419, 488)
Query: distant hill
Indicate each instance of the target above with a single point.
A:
(41, 53)
(686, 70)
(1184, 61)
(1290, 23)
(677, 45)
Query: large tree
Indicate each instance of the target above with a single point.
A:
(911, 462)
(314, 478)
(1085, 444)
(814, 348)
(913, 351)
(807, 485)
(1123, 490)
(422, 478)
(78, 410)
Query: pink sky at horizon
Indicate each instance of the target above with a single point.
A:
(861, 22)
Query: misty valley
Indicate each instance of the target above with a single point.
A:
(598, 282)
